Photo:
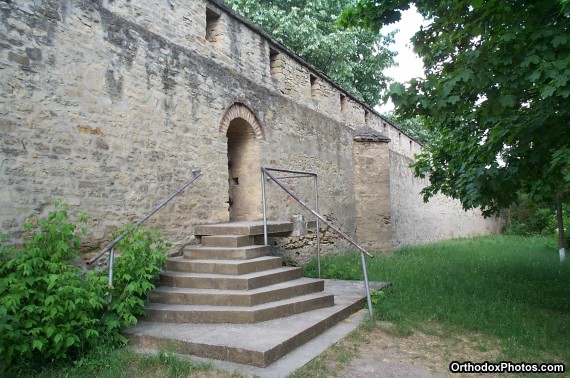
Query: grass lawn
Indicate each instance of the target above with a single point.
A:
(511, 290)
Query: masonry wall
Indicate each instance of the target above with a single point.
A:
(107, 105)
(372, 196)
(416, 222)
(108, 108)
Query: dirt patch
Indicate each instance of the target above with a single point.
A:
(380, 352)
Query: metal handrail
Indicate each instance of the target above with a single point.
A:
(265, 171)
(296, 174)
(196, 173)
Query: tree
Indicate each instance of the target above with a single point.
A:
(495, 97)
(353, 58)
(414, 127)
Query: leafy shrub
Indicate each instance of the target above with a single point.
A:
(530, 219)
(47, 306)
(51, 310)
(142, 256)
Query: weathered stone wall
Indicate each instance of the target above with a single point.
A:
(108, 104)
(372, 195)
(416, 222)
(107, 108)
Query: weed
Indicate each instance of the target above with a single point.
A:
(376, 297)
(341, 267)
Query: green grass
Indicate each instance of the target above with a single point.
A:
(107, 362)
(512, 289)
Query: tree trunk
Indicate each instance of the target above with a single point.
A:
(561, 249)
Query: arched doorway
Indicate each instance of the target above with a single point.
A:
(243, 131)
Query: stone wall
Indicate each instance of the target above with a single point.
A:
(372, 190)
(108, 108)
(416, 222)
(107, 105)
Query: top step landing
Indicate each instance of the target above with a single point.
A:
(243, 228)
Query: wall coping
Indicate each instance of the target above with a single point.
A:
(367, 134)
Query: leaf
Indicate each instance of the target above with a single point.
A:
(531, 59)
(58, 338)
(453, 99)
(465, 74)
(50, 330)
(37, 344)
(397, 88)
(548, 91)
(534, 76)
(507, 101)
(559, 40)
(49, 300)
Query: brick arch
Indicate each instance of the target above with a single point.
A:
(239, 110)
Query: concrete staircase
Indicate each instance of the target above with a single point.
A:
(229, 280)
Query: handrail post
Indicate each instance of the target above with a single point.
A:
(264, 204)
(366, 285)
(312, 211)
(318, 227)
(111, 266)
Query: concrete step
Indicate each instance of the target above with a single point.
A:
(167, 313)
(257, 344)
(219, 253)
(209, 297)
(243, 228)
(228, 282)
(231, 267)
(227, 241)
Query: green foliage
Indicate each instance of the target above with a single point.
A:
(50, 310)
(353, 58)
(47, 307)
(495, 96)
(530, 219)
(414, 127)
(376, 297)
(142, 256)
(370, 14)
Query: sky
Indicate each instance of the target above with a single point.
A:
(409, 64)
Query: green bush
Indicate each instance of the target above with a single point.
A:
(530, 219)
(143, 255)
(47, 307)
(51, 310)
